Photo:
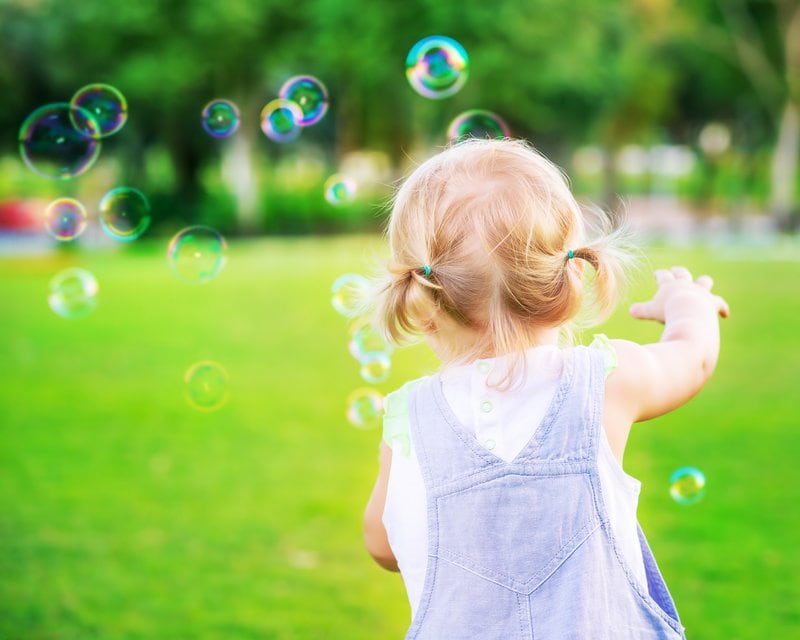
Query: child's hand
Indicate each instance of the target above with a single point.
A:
(676, 294)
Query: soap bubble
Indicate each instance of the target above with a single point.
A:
(308, 93)
(366, 340)
(59, 140)
(477, 123)
(206, 385)
(106, 104)
(124, 213)
(437, 67)
(349, 291)
(65, 219)
(339, 189)
(687, 485)
(280, 120)
(220, 118)
(73, 293)
(197, 254)
(365, 408)
(375, 367)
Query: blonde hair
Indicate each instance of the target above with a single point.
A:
(482, 236)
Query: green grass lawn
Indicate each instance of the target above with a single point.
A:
(126, 514)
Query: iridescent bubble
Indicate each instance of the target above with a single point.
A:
(206, 385)
(65, 219)
(309, 94)
(687, 485)
(349, 291)
(375, 367)
(124, 213)
(437, 67)
(477, 123)
(365, 408)
(197, 254)
(339, 189)
(73, 293)
(59, 140)
(280, 120)
(220, 118)
(106, 104)
(366, 340)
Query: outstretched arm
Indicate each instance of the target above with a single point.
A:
(375, 537)
(653, 379)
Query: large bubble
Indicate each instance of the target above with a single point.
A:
(280, 120)
(220, 118)
(59, 140)
(73, 293)
(308, 93)
(437, 67)
(124, 213)
(477, 123)
(65, 219)
(197, 254)
(106, 104)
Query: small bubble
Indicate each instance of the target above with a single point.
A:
(65, 219)
(308, 93)
(73, 293)
(687, 485)
(437, 67)
(220, 118)
(206, 385)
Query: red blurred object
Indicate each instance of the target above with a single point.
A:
(19, 215)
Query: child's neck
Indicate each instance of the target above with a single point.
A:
(463, 340)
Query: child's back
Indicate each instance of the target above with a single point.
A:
(501, 495)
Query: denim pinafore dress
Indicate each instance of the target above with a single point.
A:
(524, 549)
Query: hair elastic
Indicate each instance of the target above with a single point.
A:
(570, 254)
(426, 270)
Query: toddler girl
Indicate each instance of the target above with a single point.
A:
(501, 496)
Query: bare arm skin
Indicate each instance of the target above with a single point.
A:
(375, 538)
(653, 379)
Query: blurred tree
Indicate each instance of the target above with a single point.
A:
(760, 41)
(559, 73)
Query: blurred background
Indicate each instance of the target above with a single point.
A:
(126, 512)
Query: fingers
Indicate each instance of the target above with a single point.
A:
(643, 310)
(681, 273)
(706, 282)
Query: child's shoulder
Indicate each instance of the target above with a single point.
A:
(395, 416)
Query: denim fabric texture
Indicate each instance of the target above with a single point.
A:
(523, 549)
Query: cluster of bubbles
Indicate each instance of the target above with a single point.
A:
(62, 140)
(687, 485)
(437, 67)
(370, 349)
(302, 101)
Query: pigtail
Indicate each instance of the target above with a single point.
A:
(405, 303)
(610, 254)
